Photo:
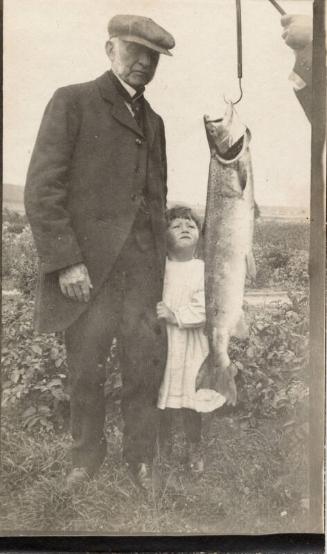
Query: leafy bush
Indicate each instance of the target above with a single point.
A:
(12, 217)
(34, 368)
(19, 258)
(281, 251)
(284, 235)
(284, 270)
(271, 362)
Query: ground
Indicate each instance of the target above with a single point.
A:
(250, 485)
(256, 455)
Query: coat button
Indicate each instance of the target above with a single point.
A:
(138, 142)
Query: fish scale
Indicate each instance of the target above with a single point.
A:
(228, 232)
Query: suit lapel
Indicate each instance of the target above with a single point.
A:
(150, 123)
(119, 110)
(124, 116)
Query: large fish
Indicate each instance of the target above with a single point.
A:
(228, 256)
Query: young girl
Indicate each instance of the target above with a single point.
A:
(183, 308)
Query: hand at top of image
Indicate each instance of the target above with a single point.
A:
(297, 32)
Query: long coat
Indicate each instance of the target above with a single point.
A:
(303, 68)
(83, 190)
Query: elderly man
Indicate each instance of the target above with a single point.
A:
(95, 197)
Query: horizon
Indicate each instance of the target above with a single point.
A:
(7, 199)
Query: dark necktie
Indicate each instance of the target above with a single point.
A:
(137, 107)
(136, 104)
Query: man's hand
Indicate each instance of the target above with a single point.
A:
(297, 30)
(163, 312)
(75, 282)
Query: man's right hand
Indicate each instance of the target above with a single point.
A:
(75, 282)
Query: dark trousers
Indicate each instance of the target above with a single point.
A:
(192, 425)
(125, 308)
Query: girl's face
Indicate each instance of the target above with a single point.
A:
(182, 234)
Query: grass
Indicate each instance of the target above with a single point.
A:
(283, 234)
(253, 483)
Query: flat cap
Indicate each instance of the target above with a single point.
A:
(142, 30)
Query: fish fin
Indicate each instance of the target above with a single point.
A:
(241, 330)
(250, 266)
(227, 386)
(257, 212)
(221, 381)
(243, 175)
(203, 379)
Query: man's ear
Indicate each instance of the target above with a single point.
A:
(109, 47)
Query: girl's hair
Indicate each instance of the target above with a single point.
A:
(182, 212)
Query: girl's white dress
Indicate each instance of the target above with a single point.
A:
(187, 344)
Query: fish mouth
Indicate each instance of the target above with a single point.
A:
(208, 119)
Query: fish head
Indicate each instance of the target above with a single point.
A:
(223, 133)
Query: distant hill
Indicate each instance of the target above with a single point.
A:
(13, 199)
(284, 212)
(266, 212)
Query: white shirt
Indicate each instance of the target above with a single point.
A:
(131, 91)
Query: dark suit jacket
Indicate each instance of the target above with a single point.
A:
(303, 68)
(83, 190)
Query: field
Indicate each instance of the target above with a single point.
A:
(256, 456)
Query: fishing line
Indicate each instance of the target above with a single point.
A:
(239, 49)
(239, 42)
(278, 7)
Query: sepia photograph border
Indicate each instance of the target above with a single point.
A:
(309, 543)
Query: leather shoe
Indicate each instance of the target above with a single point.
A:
(141, 475)
(76, 478)
(194, 459)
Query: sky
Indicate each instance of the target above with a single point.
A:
(52, 43)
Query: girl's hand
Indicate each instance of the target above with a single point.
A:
(163, 312)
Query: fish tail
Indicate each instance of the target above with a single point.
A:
(203, 379)
(221, 381)
(225, 384)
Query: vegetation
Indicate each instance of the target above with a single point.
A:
(256, 477)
